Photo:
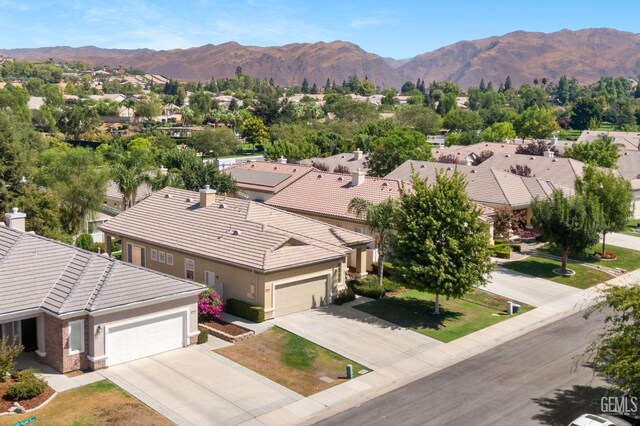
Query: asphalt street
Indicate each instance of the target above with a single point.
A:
(538, 378)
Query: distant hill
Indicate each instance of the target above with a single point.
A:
(585, 54)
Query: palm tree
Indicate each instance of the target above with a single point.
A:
(130, 170)
(379, 219)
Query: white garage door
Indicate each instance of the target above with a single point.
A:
(144, 338)
(300, 295)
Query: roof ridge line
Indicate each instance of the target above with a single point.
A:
(59, 276)
(18, 237)
(506, 198)
(80, 276)
(103, 278)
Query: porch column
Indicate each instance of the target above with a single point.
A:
(361, 262)
(107, 244)
(41, 351)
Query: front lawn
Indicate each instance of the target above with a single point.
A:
(292, 361)
(101, 403)
(458, 317)
(585, 277)
(627, 259)
(632, 224)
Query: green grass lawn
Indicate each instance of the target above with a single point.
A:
(632, 224)
(585, 277)
(458, 317)
(627, 259)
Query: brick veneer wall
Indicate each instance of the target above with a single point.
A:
(56, 334)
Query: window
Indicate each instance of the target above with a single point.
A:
(76, 337)
(340, 273)
(136, 255)
(170, 259)
(154, 255)
(129, 252)
(92, 227)
(161, 257)
(189, 269)
(251, 294)
(210, 279)
(359, 230)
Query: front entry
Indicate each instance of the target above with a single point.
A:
(29, 334)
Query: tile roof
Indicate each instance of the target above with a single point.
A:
(36, 272)
(564, 171)
(345, 159)
(243, 233)
(329, 194)
(144, 190)
(629, 161)
(486, 185)
(266, 176)
(628, 140)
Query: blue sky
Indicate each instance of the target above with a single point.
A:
(398, 29)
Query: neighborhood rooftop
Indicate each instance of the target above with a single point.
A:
(329, 194)
(486, 185)
(39, 273)
(563, 171)
(266, 176)
(244, 233)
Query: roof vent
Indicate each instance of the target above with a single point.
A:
(275, 168)
(167, 195)
(342, 156)
(253, 165)
(507, 156)
(532, 158)
(626, 153)
(340, 178)
(222, 206)
(449, 169)
(319, 176)
(237, 232)
(473, 171)
(555, 160)
(486, 144)
(422, 166)
(190, 200)
(295, 170)
(385, 184)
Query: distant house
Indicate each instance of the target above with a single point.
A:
(261, 180)
(626, 140)
(79, 310)
(244, 250)
(109, 97)
(351, 160)
(35, 103)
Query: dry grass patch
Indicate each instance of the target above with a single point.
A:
(290, 360)
(99, 404)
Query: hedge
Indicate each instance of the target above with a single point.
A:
(368, 286)
(244, 310)
(344, 296)
(501, 251)
(389, 270)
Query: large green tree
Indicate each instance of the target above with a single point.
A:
(616, 351)
(571, 223)
(395, 148)
(78, 120)
(129, 171)
(536, 122)
(215, 142)
(379, 219)
(613, 194)
(79, 178)
(600, 152)
(462, 120)
(423, 119)
(254, 131)
(441, 245)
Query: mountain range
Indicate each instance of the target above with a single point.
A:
(585, 54)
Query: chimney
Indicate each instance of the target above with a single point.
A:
(207, 196)
(357, 154)
(357, 177)
(15, 219)
(548, 153)
(282, 160)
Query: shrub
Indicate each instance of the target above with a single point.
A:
(98, 247)
(84, 241)
(26, 386)
(9, 352)
(368, 287)
(203, 337)
(209, 306)
(501, 251)
(344, 296)
(244, 310)
(516, 247)
(389, 270)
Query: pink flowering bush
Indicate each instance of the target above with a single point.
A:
(527, 235)
(209, 306)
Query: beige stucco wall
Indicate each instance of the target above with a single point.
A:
(97, 340)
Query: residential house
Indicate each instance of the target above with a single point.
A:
(487, 186)
(79, 310)
(261, 180)
(326, 196)
(243, 249)
(626, 140)
(351, 160)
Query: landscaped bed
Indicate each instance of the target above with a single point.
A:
(101, 403)
(27, 404)
(292, 361)
(226, 330)
(585, 276)
(458, 317)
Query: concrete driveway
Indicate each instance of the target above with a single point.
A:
(356, 335)
(194, 386)
(527, 289)
(623, 240)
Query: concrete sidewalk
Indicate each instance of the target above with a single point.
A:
(397, 374)
(623, 240)
(527, 289)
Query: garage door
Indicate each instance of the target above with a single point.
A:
(300, 295)
(144, 338)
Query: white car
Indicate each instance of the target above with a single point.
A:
(599, 420)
